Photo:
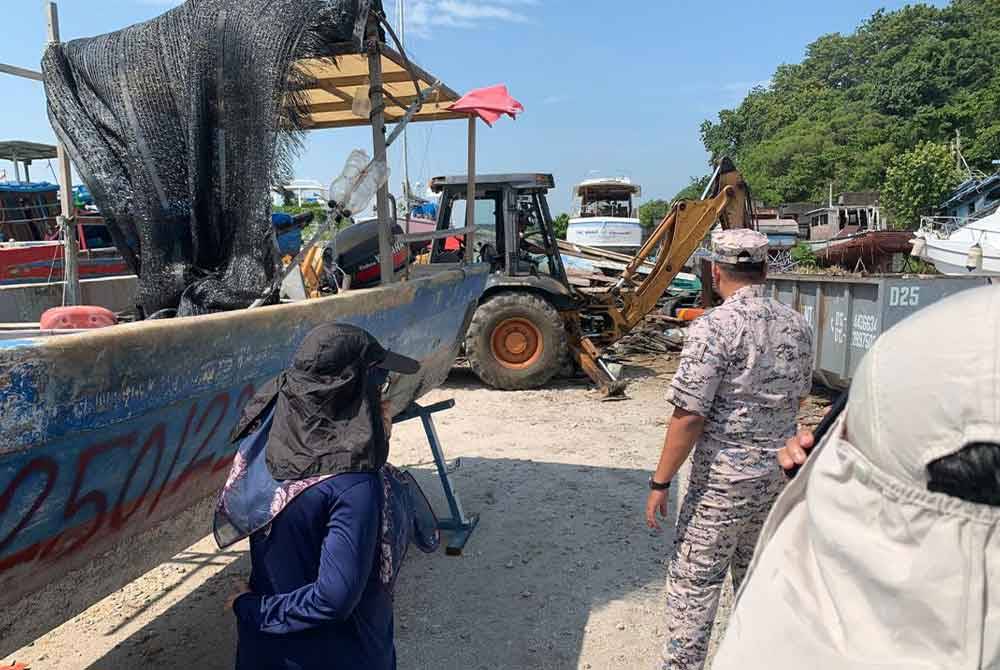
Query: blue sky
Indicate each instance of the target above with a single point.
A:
(610, 92)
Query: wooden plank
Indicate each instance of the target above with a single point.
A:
(347, 105)
(347, 81)
(334, 91)
(422, 74)
(444, 116)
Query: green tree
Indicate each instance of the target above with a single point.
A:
(693, 190)
(319, 217)
(560, 224)
(317, 208)
(651, 213)
(917, 181)
(858, 100)
(803, 255)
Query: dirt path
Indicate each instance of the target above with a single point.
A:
(560, 573)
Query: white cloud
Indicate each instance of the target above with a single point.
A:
(424, 16)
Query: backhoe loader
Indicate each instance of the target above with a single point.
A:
(531, 322)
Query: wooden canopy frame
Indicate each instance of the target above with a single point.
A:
(336, 84)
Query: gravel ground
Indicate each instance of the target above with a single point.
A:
(560, 573)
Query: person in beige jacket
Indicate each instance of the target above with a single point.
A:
(884, 552)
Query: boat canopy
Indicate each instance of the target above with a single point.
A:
(617, 188)
(331, 96)
(20, 151)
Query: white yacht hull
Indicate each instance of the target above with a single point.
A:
(951, 255)
(950, 258)
(605, 232)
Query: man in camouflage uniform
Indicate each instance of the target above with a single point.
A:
(745, 368)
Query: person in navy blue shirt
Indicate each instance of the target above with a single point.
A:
(316, 599)
(319, 596)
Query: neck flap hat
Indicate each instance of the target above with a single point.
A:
(327, 414)
(861, 566)
(320, 418)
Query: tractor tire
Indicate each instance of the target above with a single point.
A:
(516, 341)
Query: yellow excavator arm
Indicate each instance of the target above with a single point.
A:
(677, 236)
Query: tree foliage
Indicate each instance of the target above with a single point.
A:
(694, 189)
(917, 181)
(318, 209)
(652, 212)
(803, 255)
(560, 224)
(857, 101)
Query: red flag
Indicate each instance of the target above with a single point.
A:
(488, 103)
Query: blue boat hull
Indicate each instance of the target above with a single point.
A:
(110, 433)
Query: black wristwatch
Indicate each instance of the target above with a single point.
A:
(657, 486)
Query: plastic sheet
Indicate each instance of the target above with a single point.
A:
(358, 181)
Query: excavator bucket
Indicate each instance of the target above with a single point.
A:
(589, 359)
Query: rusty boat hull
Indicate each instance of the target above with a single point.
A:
(115, 441)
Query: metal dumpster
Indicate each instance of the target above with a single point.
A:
(847, 314)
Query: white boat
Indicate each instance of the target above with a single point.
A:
(973, 249)
(606, 217)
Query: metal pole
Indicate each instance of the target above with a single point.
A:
(16, 71)
(67, 222)
(17, 170)
(470, 203)
(27, 171)
(378, 141)
(406, 147)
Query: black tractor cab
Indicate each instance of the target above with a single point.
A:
(514, 232)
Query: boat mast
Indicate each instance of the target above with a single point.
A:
(406, 149)
(67, 220)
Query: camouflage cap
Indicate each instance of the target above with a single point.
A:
(739, 246)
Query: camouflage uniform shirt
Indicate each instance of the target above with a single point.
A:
(745, 367)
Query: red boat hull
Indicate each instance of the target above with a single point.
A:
(44, 263)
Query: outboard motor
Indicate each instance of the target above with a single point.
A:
(355, 254)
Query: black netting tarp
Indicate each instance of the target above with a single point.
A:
(181, 125)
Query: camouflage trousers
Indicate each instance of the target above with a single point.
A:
(717, 529)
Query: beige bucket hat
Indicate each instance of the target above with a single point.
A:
(859, 565)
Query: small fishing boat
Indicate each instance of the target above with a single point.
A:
(110, 432)
(115, 439)
(871, 250)
(30, 249)
(606, 217)
(853, 234)
(971, 249)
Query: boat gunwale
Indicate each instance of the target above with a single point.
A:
(152, 326)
